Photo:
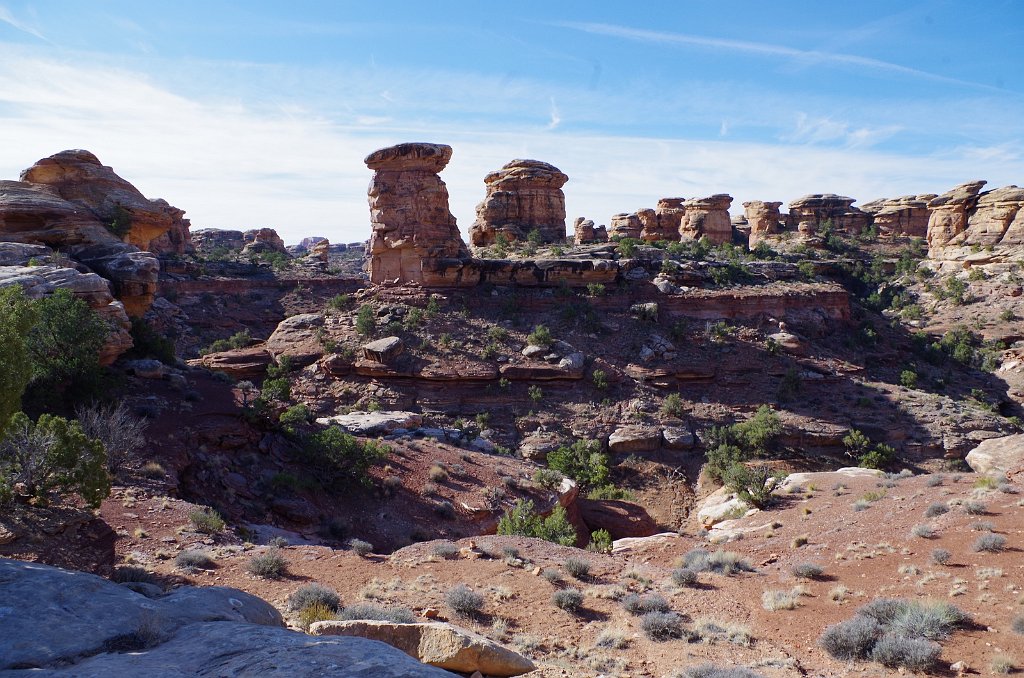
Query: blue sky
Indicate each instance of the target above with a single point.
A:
(259, 113)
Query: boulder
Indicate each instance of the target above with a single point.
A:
(435, 643)
(722, 504)
(625, 226)
(383, 350)
(133, 274)
(635, 439)
(146, 368)
(83, 614)
(373, 423)
(998, 456)
(297, 337)
(239, 363)
(236, 649)
(413, 231)
(523, 196)
(621, 518)
(678, 438)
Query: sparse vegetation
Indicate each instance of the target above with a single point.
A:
(577, 568)
(268, 565)
(661, 626)
(206, 520)
(463, 601)
(570, 600)
(191, 560)
(311, 594)
(989, 543)
(522, 519)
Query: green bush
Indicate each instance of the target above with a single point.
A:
(148, 343)
(339, 458)
(339, 302)
(541, 336)
(276, 389)
(120, 223)
(366, 320)
(296, 414)
(753, 484)
(672, 406)
(600, 541)
(583, 461)
(17, 316)
(237, 340)
(600, 379)
(206, 520)
(908, 379)
(523, 520)
(52, 454)
(314, 594)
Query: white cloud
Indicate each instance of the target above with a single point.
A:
(7, 17)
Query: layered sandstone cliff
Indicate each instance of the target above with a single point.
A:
(810, 212)
(522, 197)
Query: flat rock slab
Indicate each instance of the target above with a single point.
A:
(231, 649)
(383, 350)
(435, 643)
(678, 438)
(635, 439)
(51, 615)
(373, 423)
(998, 456)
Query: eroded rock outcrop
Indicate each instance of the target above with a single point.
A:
(584, 231)
(261, 240)
(707, 217)
(523, 196)
(625, 225)
(811, 211)
(211, 241)
(907, 215)
(966, 217)
(763, 218)
(80, 178)
(413, 229)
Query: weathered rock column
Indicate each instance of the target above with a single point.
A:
(415, 238)
(810, 211)
(522, 196)
(907, 215)
(763, 219)
(707, 217)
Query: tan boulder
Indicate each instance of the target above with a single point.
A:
(635, 439)
(625, 226)
(298, 337)
(239, 363)
(523, 196)
(1002, 456)
(435, 643)
(414, 233)
(383, 350)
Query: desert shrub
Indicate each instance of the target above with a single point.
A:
(464, 601)
(984, 526)
(1003, 664)
(1017, 625)
(570, 600)
(989, 543)
(540, 336)
(908, 379)
(661, 626)
(577, 568)
(719, 562)
(935, 480)
(936, 509)
(933, 620)
(753, 484)
(642, 604)
(120, 431)
(774, 600)
(268, 565)
(612, 639)
(276, 389)
(523, 520)
(851, 639)
(924, 531)
(609, 491)
(360, 547)
(64, 344)
(547, 478)
(445, 549)
(600, 541)
(915, 654)
(366, 320)
(313, 613)
(600, 379)
(191, 560)
(52, 454)
(732, 445)
(339, 302)
(684, 576)
(941, 556)
(807, 571)
(132, 573)
(296, 414)
(17, 316)
(148, 343)
(672, 406)
(206, 520)
(975, 508)
(340, 458)
(884, 610)
(373, 612)
(311, 594)
(583, 461)
(552, 576)
(437, 473)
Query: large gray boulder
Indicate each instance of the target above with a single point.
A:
(998, 456)
(58, 622)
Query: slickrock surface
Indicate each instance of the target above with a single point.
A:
(522, 196)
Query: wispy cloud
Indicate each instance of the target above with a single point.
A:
(812, 130)
(7, 17)
(800, 56)
(556, 117)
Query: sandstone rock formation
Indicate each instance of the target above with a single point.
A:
(584, 231)
(260, 240)
(625, 226)
(1003, 456)
(321, 251)
(522, 196)
(707, 217)
(413, 229)
(763, 218)
(811, 211)
(209, 241)
(907, 215)
(435, 643)
(966, 217)
(667, 220)
(78, 177)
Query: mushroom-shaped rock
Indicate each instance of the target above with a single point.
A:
(707, 217)
(523, 196)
